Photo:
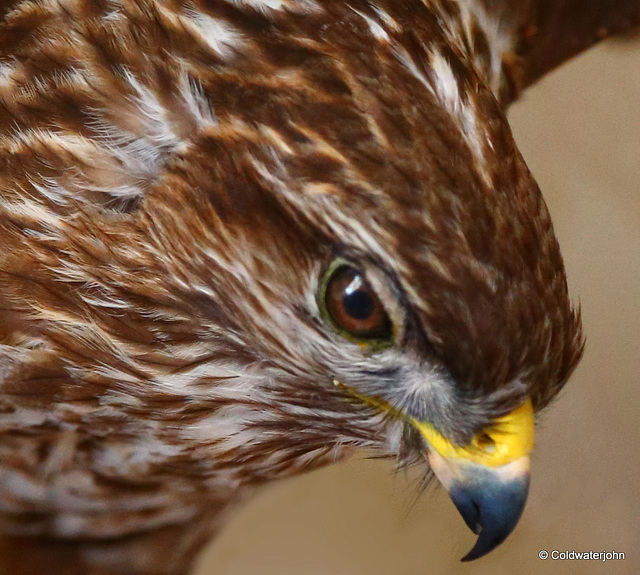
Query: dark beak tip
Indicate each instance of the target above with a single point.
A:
(487, 541)
(490, 510)
(471, 556)
(479, 550)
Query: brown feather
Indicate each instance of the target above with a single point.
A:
(176, 175)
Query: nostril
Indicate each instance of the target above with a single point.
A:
(485, 442)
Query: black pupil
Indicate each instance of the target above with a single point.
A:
(357, 303)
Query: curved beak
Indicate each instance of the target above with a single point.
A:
(490, 501)
(488, 481)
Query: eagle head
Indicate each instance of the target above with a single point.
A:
(377, 267)
(306, 230)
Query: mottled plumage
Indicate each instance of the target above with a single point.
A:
(176, 176)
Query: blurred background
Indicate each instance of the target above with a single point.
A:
(579, 131)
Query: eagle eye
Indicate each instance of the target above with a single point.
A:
(349, 302)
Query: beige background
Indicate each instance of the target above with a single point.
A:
(579, 131)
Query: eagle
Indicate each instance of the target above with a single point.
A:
(241, 238)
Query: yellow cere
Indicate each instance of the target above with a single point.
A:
(509, 438)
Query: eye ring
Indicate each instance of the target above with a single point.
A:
(351, 305)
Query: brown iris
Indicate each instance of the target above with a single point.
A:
(353, 305)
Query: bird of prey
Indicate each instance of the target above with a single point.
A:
(240, 238)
